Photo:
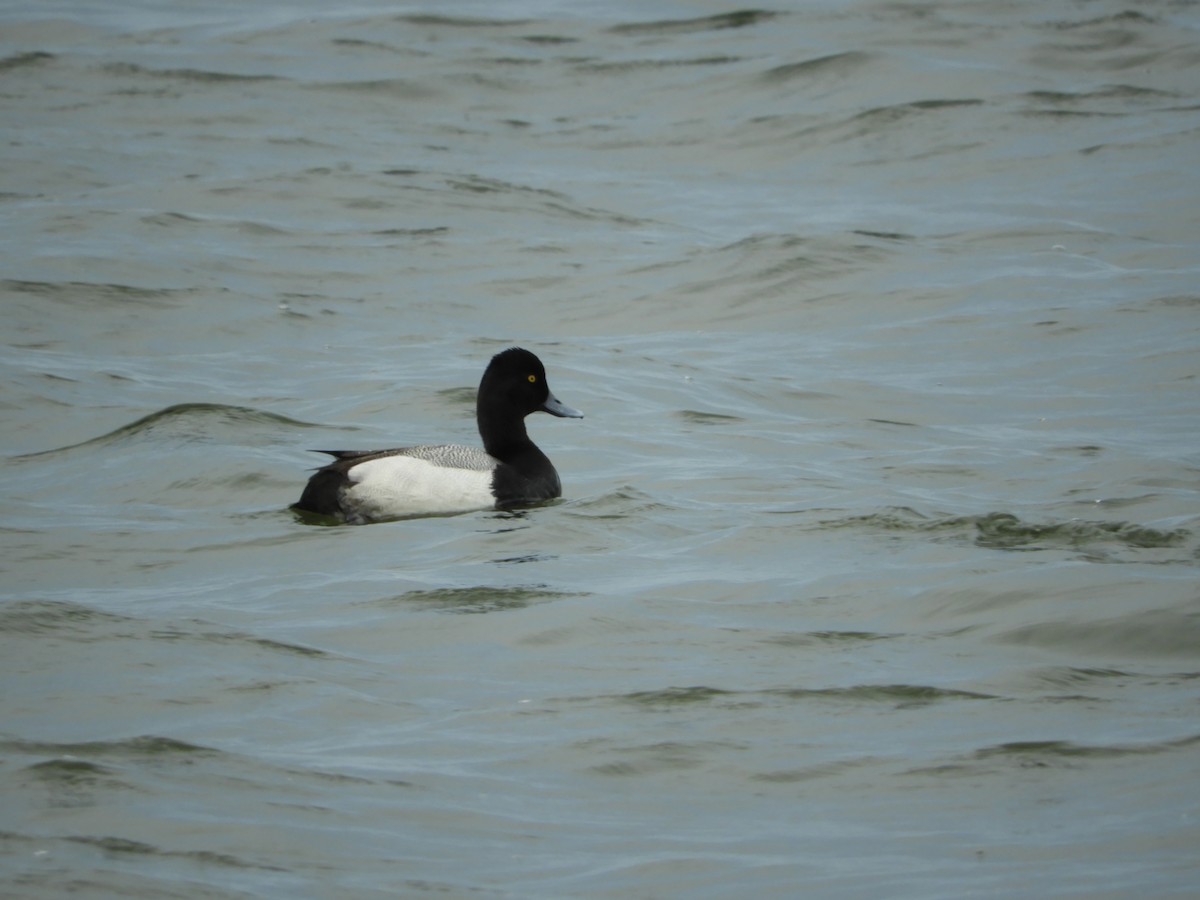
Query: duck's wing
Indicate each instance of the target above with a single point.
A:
(352, 454)
(450, 456)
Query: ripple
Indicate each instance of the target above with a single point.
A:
(624, 502)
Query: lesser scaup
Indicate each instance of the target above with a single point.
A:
(367, 485)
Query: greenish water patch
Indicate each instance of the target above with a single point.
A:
(1004, 531)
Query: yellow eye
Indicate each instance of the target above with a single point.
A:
(533, 379)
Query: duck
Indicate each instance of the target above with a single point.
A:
(510, 470)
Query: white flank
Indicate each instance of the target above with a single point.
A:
(407, 486)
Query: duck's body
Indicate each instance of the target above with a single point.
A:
(367, 485)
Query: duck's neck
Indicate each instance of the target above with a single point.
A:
(504, 436)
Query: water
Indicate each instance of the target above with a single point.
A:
(875, 572)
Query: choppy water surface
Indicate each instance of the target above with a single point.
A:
(876, 569)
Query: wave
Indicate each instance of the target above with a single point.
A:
(89, 294)
(478, 599)
(1070, 749)
(122, 69)
(832, 64)
(698, 417)
(1075, 677)
(1119, 42)
(59, 618)
(1006, 531)
(1125, 17)
(895, 695)
(148, 745)
(622, 503)
(481, 193)
(30, 58)
(827, 638)
(741, 18)
(1153, 634)
(725, 284)
(64, 620)
(73, 772)
(660, 756)
(1096, 684)
(118, 846)
(550, 201)
(1049, 754)
(391, 88)
(637, 65)
(442, 21)
(182, 421)
(881, 120)
(1111, 94)
(243, 226)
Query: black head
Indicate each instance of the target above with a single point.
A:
(515, 382)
